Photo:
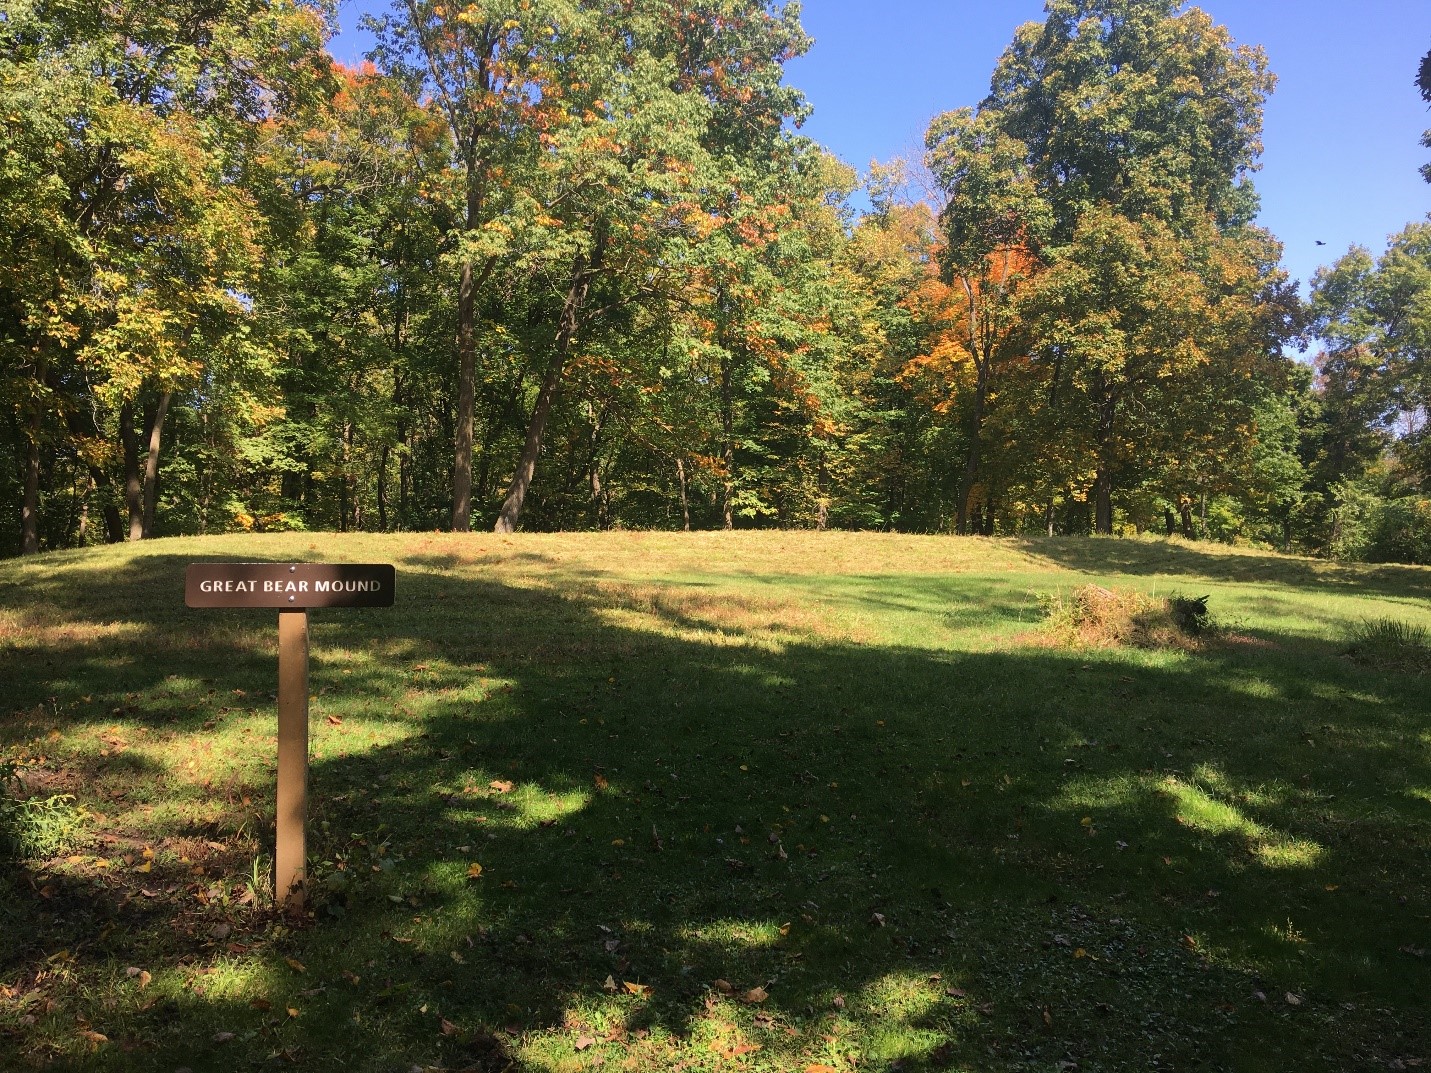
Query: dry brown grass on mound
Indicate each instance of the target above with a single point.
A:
(1095, 617)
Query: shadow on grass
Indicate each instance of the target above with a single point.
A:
(926, 859)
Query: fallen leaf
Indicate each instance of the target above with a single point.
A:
(223, 1037)
(839, 1002)
(816, 1067)
(636, 989)
(147, 866)
(600, 780)
(474, 870)
(295, 965)
(609, 985)
(95, 1038)
(334, 721)
(1292, 1000)
(448, 1028)
(502, 786)
(292, 1011)
(583, 1042)
(755, 994)
(724, 987)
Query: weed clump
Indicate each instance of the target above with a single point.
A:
(33, 827)
(1390, 644)
(1095, 617)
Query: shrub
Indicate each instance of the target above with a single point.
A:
(1400, 532)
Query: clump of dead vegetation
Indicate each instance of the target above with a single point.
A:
(1095, 617)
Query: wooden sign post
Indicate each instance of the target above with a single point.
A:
(293, 588)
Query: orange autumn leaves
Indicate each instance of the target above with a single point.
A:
(966, 324)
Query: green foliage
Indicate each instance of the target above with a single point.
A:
(232, 286)
(35, 827)
(1423, 83)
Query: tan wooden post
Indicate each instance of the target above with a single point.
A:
(291, 851)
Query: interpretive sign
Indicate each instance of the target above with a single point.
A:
(293, 588)
(289, 585)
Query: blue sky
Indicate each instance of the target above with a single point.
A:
(1342, 130)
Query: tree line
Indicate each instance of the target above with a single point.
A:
(570, 264)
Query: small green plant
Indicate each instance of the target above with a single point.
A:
(1191, 614)
(31, 826)
(1391, 643)
(258, 888)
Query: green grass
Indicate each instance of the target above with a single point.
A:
(849, 770)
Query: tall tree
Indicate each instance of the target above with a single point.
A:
(1133, 128)
(495, 71)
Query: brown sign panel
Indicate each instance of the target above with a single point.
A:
(290, 585)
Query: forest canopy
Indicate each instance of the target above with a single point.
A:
(569, 264)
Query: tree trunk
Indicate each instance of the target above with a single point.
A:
(1048, 516)
(727, 422)
(99, 480)
(344, 504)
(151, 464)
(583, 269)
(82, 529)
(1103, 479)
(685, 502)
(598, 499)
(1103, 501)
(981, 358)
(30, 505)
(1185, 508)
(527, 465)
(133, 481)
(383, 489)
(1169, 522)
(466, 389)
(971, 459)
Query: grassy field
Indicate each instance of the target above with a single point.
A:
(809, 802)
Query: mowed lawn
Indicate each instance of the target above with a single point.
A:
(774, 801)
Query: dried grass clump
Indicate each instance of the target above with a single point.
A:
(1095, 617)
